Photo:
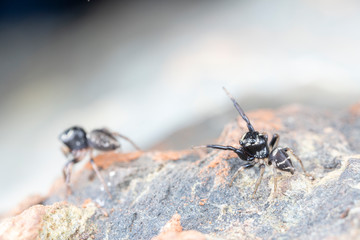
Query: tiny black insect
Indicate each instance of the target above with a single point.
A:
(79, 144)
(256, 150)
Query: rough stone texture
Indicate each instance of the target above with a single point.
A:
(149, 189)
(24, 226)
(57, 221)
(66, 221)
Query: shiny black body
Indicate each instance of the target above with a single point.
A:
(74, 138)
(254, 149)
(79, 144)
(102, 139)
(281, 159)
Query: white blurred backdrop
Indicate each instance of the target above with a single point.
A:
(149, 68)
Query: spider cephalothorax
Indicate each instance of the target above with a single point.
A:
(255, 144)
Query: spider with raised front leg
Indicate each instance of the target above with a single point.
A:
(254, 149)
(79, 144)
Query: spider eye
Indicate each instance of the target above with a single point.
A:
(67, 135)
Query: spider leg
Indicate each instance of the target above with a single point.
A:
(241, 111)
(242, 168)
(239, 151)
(67, 175)
(258, 181)
(293, 156)
(275, 180)
(127, 139)
(221, 147)
(274, 142)
(96, 169)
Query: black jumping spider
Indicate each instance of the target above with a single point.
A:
(79, 144)
(256, 150)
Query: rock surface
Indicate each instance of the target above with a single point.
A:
(57, 221)
(189, 191)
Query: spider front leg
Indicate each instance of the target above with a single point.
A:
(242, 155)
(67, 175)
(275, 181)
(96, 169)
(68, 168)
(242, 168)
(239, 151)
(258, 181)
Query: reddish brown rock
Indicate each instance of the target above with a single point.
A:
(106, 159)
(168, 155)
(25, 226)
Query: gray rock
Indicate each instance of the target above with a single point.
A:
(148, 191)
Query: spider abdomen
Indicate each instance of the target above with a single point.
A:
(102, 139)
(282, 160)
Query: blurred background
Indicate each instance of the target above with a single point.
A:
(149, 69)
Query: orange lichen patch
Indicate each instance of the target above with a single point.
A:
(214, 163)
(107, 159)
(86, 203)
(169, 155)
(220, 165)
(264, 120)
(221, 170)
(173, 231)
(230, 136)
(202, 201)
(225, 155)
(220, 157)
(223, 173)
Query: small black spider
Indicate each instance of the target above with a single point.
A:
(79, 144)
(256, 150)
